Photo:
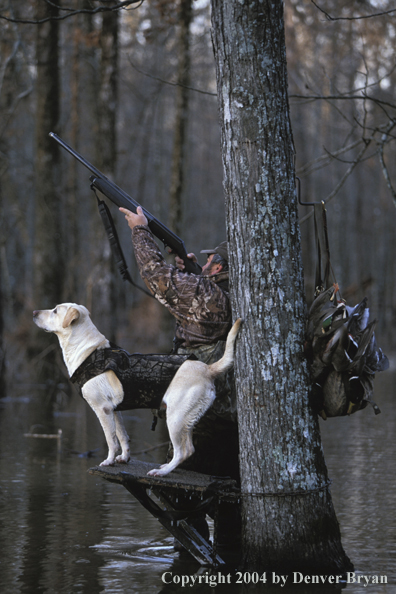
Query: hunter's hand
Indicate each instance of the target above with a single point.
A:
(134, 219)
(180, 264)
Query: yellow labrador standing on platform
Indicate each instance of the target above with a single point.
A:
(190, 394)
(78, 338)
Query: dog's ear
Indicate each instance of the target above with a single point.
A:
(71, 315)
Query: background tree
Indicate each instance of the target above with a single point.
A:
(48, 262)
(288, 517)
(83, 126)
(179, 144)
(2, 352)
(48, 268)
(107, 158)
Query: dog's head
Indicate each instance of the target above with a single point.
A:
(60, 319)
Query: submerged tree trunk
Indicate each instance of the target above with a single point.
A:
(289, 522)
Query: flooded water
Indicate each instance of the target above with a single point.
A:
(64, 531)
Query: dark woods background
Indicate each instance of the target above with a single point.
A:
(107, 82)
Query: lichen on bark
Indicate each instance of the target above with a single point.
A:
(280, 446)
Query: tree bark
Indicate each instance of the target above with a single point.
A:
(179, 144)
(83, 128)
(289, 522)
(104, 304)
(2, 351)
(48, 260)
(108, 95)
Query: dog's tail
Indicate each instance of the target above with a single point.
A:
(227, 360)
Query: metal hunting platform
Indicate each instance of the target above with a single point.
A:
(175, 500)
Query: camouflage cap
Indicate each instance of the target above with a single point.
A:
(221, 249)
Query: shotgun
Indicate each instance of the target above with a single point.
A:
(121, 198)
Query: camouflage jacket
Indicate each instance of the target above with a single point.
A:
(200, 304)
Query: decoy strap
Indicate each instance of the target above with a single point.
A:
(323, 266)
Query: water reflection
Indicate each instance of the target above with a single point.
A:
(62, 530)
(360, 453)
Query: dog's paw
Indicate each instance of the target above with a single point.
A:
(155, 472)
(107, 462)
(162, 471)
(122, 459)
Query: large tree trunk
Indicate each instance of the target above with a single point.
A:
(289, 522)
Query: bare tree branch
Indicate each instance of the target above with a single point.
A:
(17, 45)
(324, 160)
(355, 18)
(344, 98)
(384, 167)
(344, 177)
(333, 157)
(71, 12)
(167, 82)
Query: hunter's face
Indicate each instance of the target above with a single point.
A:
(209, 268)
(206, 266)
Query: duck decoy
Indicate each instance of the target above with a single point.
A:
(343, 355)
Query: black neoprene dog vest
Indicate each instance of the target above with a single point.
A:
(144, 378)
